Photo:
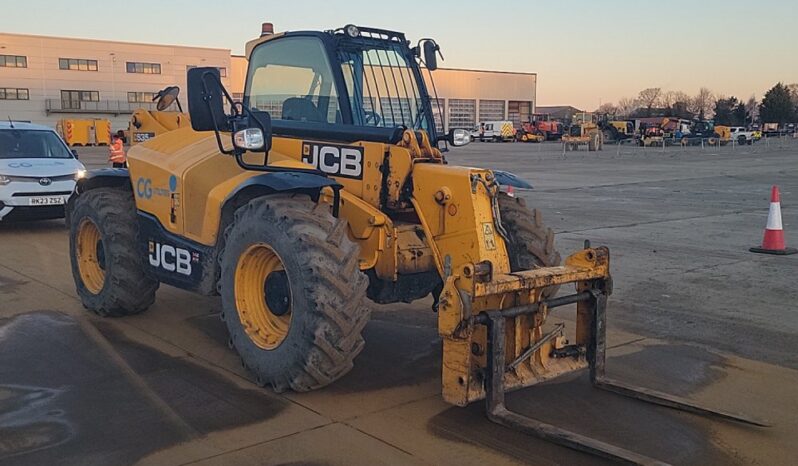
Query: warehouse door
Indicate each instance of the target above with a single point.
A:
(438, 108)
(491, 110)
(520, 111)
(462, 113)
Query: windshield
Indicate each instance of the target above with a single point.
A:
(292, 79)
(382, 86)
(31, 144)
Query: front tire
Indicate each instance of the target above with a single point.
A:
(107, 263)
(531, 242)
(303, 330)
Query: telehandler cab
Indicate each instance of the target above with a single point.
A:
(326, 186)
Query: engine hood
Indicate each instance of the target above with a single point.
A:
(39, 167)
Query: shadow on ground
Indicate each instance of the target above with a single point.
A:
(65, 399)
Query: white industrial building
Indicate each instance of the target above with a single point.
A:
(44, 79)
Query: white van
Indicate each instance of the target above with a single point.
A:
(496, 131)
(37, 172)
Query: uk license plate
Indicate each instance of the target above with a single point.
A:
(47, 200)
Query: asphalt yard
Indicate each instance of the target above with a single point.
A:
(693, 313)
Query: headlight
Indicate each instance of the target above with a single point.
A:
(80, 174)
(249, 139)
(352, 31)
(4, 180)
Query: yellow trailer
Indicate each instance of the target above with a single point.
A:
(96, 132)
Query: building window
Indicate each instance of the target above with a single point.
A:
(140, 97)
(462, 113)
(491, 110)
(13, 93)
(13, 61)
(143, 68)
(71, 100)
(222, 70)
(77, 64)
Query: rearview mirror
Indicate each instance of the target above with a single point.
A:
(205, 104)
(459, 137)
(167, 97)
(430, 55)
(74, 153)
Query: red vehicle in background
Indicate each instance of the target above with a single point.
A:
(543, 125)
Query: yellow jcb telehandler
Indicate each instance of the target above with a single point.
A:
(325, 187)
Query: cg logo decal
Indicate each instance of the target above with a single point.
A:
(144, 188)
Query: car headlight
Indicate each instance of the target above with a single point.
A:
(80, 174)
(4, 180)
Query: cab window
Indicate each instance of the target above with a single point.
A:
(291, 78)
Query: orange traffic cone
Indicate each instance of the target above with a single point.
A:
(773, 243)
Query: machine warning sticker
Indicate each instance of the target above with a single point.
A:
(335, 160)
(490, 238)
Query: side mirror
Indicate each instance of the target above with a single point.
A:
(167, 97)
(430, 54)
(74, 153)
(205, 104)
(458, 137)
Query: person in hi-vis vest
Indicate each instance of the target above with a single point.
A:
(117, 153)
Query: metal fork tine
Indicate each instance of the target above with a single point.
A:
(498, 412)
(597, 357)
(672, 401)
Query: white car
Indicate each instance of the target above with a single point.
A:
(741, 135)
(37, 172)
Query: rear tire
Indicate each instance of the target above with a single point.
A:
(326, 292)
(107, 260)
(531, 242)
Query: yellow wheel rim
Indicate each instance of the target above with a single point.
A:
(263, 296)
(90, 256)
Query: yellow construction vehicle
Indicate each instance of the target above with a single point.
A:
(584, 131)
(146, 124)
(327, 186)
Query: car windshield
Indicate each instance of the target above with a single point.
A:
(31, 144)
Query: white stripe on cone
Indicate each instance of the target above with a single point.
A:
(774, 217)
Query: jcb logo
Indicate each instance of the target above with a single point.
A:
(170, 258)
(343, 161)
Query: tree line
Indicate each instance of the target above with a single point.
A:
(779, 105)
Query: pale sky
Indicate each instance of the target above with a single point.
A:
(585, 52)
